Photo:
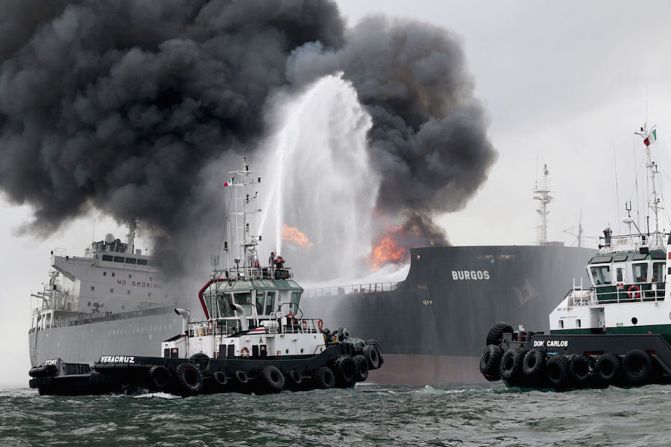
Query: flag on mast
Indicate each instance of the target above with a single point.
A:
(651, 138)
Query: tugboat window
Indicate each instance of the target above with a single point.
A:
(619, 275)
(270, 303)
(658, 272)
(640, 271)
(601, 275)
(222, 307)
(295, 299)
(244, 299)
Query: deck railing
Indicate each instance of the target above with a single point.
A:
(625, 293)
(351, 289)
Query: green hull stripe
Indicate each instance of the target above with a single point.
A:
(663, 329)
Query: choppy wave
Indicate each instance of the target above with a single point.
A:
(370, 415)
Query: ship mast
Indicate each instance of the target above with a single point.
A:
(245, 209)
(542, 194)
(654, 202)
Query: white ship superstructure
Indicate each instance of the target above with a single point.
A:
(104, 292)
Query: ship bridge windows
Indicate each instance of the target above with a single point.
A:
(219, 304)
(294, 301)
(142, 262)
(619, 274)
(119, 259)
(108, 258)
(600, 274)
(244, 299)
(265, 303)
(640, 272)
(658, 273)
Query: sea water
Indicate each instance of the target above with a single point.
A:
(366, 415)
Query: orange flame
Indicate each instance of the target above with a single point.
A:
(295, 236)
(387, 250)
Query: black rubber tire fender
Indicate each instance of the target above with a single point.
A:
(490, 362)
(189, 378)
(556, 371)
(324, 378)
(201, 360)
(295, 377)
(495, 335)
(241, 377)
(43, 371)
(346, 369)
(372, 355)
(273, 378)
(533, 363)
(637, 366)
(581, 368)
(511, 364)
(220, 378)
(361, 368)
(159, 376)
(608, 367)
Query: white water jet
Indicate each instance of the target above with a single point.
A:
(318, 179)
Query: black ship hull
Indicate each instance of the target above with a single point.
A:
(431, 325)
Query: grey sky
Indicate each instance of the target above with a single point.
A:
(565, 83)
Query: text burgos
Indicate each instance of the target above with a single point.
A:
(470, 274)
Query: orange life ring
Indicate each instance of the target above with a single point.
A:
(320, 325)
(244, 352)
(634, 291)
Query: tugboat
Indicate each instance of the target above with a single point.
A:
(615, 332)
(254, 338)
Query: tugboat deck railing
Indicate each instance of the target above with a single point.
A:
(229, 327)
(631, 293)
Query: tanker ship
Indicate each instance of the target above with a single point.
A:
(431, 324)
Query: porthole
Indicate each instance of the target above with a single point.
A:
(634, 320)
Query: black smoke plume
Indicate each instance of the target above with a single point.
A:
(428, 137)
(124, 105)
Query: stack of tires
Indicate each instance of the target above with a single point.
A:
(536, 368)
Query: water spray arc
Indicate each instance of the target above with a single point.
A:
(324, 187)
